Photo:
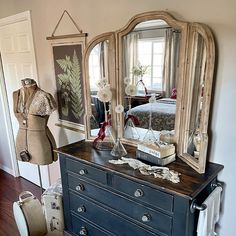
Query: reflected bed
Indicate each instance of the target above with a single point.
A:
(163, 114)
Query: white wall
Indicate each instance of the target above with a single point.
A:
(101, 16)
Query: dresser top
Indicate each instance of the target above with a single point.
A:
(191, 182)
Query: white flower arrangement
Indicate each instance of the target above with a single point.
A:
(139, 70)
(127, 80)
(131, 90)
(102, 83)
(119, 109)
(107, 86)
(104, 93)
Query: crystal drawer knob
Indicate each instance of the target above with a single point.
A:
(138, 193)
(80, 187)
(83, 231)
(83, 172)
(81, 209)
(146, 218)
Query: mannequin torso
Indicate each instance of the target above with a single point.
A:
(32, 107)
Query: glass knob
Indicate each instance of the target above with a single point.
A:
(81, 209)
(146, 218)
(83, 231)
(80, 187)
(138, 193)
(83, 172)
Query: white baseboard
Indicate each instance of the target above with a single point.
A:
(8, 170)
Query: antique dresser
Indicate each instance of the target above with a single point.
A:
(105, 199)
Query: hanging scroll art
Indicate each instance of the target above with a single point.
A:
(67, 53)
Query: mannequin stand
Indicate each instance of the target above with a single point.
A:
(40, 178)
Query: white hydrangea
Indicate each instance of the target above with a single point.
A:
(99, 84)
(104, 95)
(126, 80)
(102, 83)
(107, 86)
(131, 90)
(119, 109)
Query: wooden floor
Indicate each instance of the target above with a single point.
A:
(10, 188)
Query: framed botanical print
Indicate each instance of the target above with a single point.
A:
(68, 68)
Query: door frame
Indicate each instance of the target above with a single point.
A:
(7, 119)
(3, 95)
(23, 16)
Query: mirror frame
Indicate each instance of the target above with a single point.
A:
(208, 38)
(171, 21)
(110, 36)
(183, 103)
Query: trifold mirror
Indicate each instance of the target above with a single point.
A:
(160, 69)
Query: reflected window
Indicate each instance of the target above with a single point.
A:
(98, 65)
(151, 54)
(94, 67)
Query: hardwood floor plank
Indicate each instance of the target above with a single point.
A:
(10, 188)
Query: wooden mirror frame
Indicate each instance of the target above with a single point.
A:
(184, 82)
(171, 21)
(208, 38)
(110, 36)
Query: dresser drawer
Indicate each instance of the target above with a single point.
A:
(145, 216)
(86, 171)
(143, 193)
(82, 227)
(105, 218)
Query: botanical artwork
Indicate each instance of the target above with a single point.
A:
(69, 78)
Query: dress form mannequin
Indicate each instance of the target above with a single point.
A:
(32, 107)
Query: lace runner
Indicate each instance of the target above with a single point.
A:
(156, 171)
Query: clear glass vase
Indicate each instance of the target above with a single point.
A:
(150, 136)
(141, 88)
(108, 142)
(130, 131)
(118, 149)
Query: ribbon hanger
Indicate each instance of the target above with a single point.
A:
(80, 34)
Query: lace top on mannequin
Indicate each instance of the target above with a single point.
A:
(42, 104)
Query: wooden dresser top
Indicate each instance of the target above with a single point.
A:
(191, 183)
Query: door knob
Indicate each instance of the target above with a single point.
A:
(81, 209)
(83, 231)
(83, 172)
(79, 187)
(146, 217)
(138, 193)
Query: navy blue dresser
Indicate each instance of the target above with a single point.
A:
(105, 199)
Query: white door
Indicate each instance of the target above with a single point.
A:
(18, 61)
